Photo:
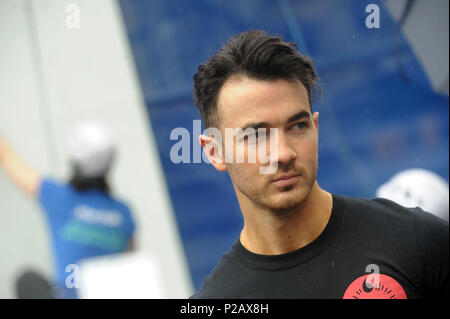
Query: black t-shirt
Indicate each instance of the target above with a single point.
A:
(369, 249)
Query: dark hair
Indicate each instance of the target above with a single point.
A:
(82, 183)
(256, 55)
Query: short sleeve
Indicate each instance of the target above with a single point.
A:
(433, 247)
(48, 190)
(129, 223)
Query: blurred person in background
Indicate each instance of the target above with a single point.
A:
(298, 240)
(418, 188)
(84, 219)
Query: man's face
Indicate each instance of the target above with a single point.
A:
(244, 102)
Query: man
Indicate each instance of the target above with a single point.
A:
(298, 240)
(83, 218)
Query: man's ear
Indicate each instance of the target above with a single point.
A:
(316, 121)
(213, 151)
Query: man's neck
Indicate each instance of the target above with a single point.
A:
(267, 233)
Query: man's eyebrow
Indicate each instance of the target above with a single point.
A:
(299, 116)
(256, 125)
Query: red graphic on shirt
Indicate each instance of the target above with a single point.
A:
(367, 287)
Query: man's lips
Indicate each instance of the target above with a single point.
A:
(286, 180)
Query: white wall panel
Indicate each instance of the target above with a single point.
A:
(55, 76)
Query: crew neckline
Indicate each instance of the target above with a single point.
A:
(298, 256)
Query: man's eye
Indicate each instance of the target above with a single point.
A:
(300, 125)
(255, 137)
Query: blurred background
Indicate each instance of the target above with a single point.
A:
(130, 64)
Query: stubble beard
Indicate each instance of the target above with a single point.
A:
(271, 198)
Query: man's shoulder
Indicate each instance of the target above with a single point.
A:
(386, 218)
(49, 189)
(217, 284)
(379, 208)
(385, 208)
(49, 183)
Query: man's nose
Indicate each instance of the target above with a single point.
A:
(285, 150)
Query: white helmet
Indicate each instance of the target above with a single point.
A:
(418, 187)
(91, 148)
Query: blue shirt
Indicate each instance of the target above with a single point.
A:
(82, 224)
